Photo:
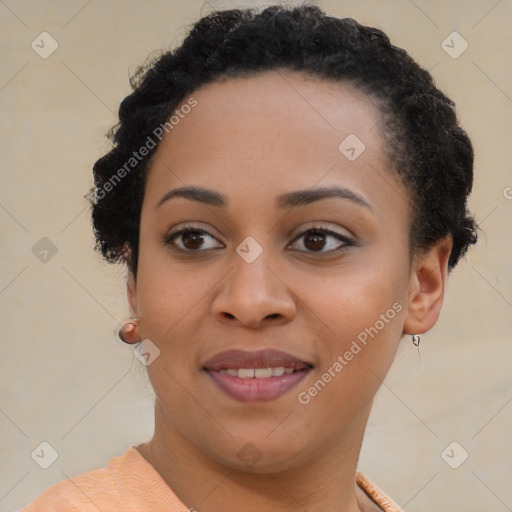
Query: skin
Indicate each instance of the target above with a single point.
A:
(253, 139)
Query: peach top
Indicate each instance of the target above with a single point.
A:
(131, 484)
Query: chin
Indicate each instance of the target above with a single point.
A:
(259, 457)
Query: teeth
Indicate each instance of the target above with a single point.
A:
(246, 373)
(262, 373)
(258, 373)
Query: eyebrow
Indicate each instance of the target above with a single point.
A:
(296, 198)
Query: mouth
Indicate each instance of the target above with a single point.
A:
(258, 373)
(256, 376)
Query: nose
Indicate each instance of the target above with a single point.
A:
(252, 294)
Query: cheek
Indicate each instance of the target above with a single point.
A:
(169, 317)
(361, 325)
(165, 290)
(349, 301)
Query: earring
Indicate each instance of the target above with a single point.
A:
(130, 332)
(416, 340)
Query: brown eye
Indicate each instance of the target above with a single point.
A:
(189, 240)
(192, 240)
(316, 239)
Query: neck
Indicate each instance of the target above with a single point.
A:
(325, 483)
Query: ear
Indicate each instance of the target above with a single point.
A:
(426, 287)
(131, 291)
(131, 284)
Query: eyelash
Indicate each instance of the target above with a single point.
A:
(169, 239)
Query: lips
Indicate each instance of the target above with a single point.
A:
(256, 376)
(235, 359)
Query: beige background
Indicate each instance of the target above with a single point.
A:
(65, 377)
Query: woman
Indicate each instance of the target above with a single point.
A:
(288, 191)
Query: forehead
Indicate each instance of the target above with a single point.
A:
(290, 103)
(255, 137)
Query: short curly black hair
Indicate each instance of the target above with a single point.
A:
(426, 146)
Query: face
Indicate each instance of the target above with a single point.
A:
(322, 277)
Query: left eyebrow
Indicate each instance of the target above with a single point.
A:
(301, 197)
(296, 198)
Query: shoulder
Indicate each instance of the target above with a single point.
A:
(94, 490)
(81, 493)
(128, 483)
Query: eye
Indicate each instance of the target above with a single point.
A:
(317, 239)
(189, 240)
(192, 239)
